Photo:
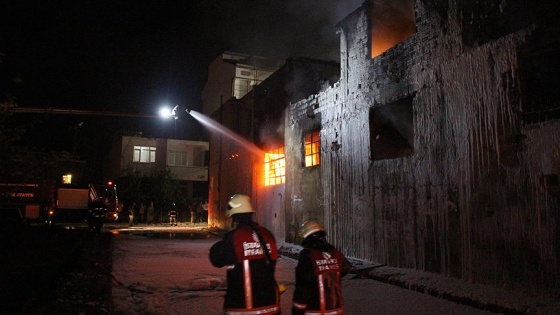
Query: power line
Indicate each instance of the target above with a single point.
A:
(61, 111)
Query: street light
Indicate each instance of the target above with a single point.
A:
(166, 113)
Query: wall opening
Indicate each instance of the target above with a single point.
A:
(392, 21)
(540, 68)
(274, 167)
(391, 130)
(311, 148)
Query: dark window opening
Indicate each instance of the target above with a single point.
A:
(540, 67)
(391, 130)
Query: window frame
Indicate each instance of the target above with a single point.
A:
(312, 148)
(144, 154)
(183, 158)
(275, 167)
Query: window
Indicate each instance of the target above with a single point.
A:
(177, 158)
(274, 167)
(539, 78)
(67, 179)
(392, 21)
(144, 154)
(391, 130)
(312, 157)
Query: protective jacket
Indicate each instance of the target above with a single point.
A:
(318, 274)
(252, 288)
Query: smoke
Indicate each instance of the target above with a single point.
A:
(271, 133)
(284, 28)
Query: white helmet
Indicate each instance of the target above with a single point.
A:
(239, 203)
(310, 227)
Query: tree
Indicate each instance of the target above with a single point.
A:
(157, 185)
(18, 162)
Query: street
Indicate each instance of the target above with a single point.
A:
(169, 273)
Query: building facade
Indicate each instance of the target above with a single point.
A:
(186, 160)
(437, 149)
(254, 164)
(233, 75)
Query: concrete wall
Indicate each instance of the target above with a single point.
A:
(236, 166)
(476, 198)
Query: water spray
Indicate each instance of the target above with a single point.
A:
(215, 126)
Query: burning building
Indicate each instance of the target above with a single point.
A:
(248, 157)
(437, 149)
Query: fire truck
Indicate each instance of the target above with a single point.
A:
(44, 200)
(29, 201)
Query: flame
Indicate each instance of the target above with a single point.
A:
(274, 167)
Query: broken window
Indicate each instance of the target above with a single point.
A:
(540, 67)
(274, 167)
(391, 130)
(392, 21)
(312, 145)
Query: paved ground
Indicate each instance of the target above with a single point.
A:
(55, 271)
(171, 274)
(478, 296)
(68, 271)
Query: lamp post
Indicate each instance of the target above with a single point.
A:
(76, 139)
(166, 113)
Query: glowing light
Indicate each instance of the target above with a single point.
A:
(67, 179)
(391, 23)
(312, 141)
(274, 167)
(167, 113)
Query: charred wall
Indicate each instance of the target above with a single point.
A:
(231, 162)
(475, 196)
(259, 118)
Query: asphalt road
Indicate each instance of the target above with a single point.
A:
(166, 270)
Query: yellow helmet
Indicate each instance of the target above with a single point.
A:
(239, 203)
(310, 227)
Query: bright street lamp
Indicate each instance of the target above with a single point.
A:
(166, 113)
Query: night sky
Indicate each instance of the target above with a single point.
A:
(135, 56)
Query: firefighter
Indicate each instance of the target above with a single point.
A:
(250, 264)
(173, 216)
(318, 272)
(131, 214)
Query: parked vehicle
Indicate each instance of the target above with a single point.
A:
(32, 200)
(97, 203)
(45, 201)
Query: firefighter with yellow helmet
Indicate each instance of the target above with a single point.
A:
(249, 253)
(318, 273)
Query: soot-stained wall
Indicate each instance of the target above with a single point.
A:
(437, 154)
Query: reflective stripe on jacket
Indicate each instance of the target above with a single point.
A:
(252, 288)
(318, 281)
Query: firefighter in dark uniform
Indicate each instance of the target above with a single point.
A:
(318, 274)
(173, 216)
(249, 254)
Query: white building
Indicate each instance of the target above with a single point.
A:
(186, 159)
(233, 75)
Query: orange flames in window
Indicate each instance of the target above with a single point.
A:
(274, 167)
